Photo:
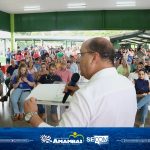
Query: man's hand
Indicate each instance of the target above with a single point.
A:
(71, 88)
(30, 105)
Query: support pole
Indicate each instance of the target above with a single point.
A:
(12, 29)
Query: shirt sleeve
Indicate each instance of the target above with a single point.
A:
(14, 80)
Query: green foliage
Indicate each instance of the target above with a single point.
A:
(102, 33)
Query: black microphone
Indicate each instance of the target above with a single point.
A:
(74, 79)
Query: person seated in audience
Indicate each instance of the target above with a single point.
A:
(68, 64)
(50, 78)
(18, 57)
(133, 65)
(15, 73)
(48, 59)
(27, 56)
(64, 73)
(36, 54)
(43, 71)
(22, 84)
(37, 64)
(123, 68)
(142, 88)
(58, 64)
(130, 55)
(10, 71)
(134, 75)
(31, 69)
(141, 53)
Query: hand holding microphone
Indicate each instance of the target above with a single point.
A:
(71, 87)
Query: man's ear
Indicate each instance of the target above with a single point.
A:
(95, 59)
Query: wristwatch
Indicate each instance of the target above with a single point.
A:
(29, 115)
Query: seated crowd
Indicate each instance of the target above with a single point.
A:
(30, 68)
(22, 76)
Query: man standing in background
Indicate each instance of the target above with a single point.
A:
(8, 56)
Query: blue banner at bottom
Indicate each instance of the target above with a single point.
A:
(75, 138)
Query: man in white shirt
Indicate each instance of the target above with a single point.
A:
(108, 99)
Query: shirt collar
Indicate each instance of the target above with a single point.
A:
(105, 72)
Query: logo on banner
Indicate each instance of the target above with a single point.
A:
(75, 135)
(98, 139)
(45, 139)
(73, 138)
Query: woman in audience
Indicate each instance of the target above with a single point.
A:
(133, 65)
(31, 69)
(37, 64)
(142, 88)
(123, 68)
(28, 57)
(18, 57)
(22, 84)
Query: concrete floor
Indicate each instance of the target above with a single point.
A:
(6, 118)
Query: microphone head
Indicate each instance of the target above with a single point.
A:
(75, 77)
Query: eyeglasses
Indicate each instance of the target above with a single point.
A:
(81, 54)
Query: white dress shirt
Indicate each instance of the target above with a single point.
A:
(107, 100)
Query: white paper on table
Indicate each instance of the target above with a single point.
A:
(49, 92)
